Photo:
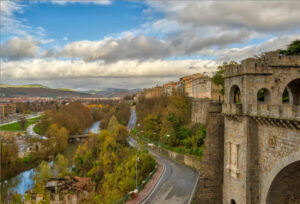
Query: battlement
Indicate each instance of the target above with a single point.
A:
(263, 64)
(284, 112)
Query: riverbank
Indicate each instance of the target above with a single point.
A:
(23, 164)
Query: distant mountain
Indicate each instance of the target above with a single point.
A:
(113, 92)
(23, 86)
(37, 90)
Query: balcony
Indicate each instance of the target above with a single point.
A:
(289, 112)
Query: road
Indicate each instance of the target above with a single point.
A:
(28, 117)
(178, 182)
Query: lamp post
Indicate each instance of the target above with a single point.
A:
(136, 167)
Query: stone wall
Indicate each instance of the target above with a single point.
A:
(210, 182)
(188, 160)
(201, 107)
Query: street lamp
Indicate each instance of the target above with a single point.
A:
(136, 167)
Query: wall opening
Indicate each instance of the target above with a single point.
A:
(232, 201)
(235, 95)
(285, 188)
(263, 96)
(291, 93)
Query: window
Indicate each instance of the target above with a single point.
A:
(235, 95)
(263, 96)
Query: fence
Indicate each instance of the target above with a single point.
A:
(139, 188)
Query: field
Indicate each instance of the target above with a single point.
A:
(16, 126)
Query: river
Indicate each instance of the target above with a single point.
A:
(24, 181)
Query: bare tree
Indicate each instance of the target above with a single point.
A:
(22, 121)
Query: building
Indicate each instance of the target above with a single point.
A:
(200, 86)
(154, 92)
(262, 130)
(7, 109)
(170, 88)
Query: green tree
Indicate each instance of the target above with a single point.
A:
(292, 49)
(152, 126)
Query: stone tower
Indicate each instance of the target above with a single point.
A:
(262, 130)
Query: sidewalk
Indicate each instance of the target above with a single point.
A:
(149, 186)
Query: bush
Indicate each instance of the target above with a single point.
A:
(27, 159)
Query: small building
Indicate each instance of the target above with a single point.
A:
(71, 190)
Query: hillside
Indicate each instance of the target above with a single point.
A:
(113, 92)
(40, 92)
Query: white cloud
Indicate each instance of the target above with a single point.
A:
(109, 49)
(263, 16)
(19, 48)
(52, 69)
(237, 54)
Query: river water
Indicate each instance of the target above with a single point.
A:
(24, 181)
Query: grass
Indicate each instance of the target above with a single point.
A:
(37, 130)
(17, 127)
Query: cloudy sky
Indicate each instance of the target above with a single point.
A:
(92, 44)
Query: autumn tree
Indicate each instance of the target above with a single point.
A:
(61, 165)
(43, 171)
(9, 153)
(60, 135)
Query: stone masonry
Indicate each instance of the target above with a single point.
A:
(252, 146)
(262, 136)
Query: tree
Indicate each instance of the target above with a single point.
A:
(22, 121)
(152, 126)
(218, 78)
(121, 134)
(292, 49)
(60, 135)
(9, 153)
(112, 124)
(43, 171)
(61, 165)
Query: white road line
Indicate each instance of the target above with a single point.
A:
(156, 185)
(192, 195)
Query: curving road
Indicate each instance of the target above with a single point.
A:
(178, 182)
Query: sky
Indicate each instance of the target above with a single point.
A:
(95, 44)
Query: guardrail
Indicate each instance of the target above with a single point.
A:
(140, 187)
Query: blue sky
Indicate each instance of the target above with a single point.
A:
(134, 44)
(84, 21)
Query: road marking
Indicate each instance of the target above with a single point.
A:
(156, 185)
(193, 193)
